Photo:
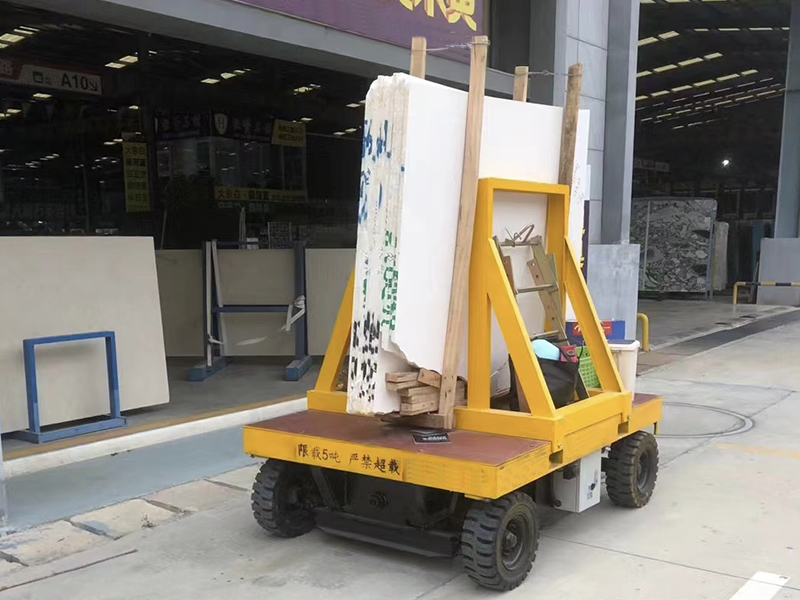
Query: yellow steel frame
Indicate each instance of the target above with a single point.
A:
(573, 431)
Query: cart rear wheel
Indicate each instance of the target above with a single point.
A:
(499, 541)
(283, 499)
(632, 469)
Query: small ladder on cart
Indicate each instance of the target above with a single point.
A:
(543, 271)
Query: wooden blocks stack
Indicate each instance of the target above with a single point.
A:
(419, 391)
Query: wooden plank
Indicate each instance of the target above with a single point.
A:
(431, 378)
(521, 84)
(419, 48)
(419, 408)
(402, 376)
(466, 222)
(426, 390)
(569, 128)
(403, 385)
(509, 272)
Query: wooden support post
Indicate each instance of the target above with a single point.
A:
(569, 128)
(466, 221)
(521, 84)
(419, 48)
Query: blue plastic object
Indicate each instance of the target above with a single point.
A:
(546, 350)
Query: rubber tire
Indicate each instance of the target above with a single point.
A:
(481, 543)
(621, 470)
(273, 484)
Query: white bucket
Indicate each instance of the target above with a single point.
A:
(626, 355)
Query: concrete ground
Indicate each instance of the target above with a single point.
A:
(725, 509)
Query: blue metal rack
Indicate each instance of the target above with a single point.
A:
(113, 420)
(214, 359)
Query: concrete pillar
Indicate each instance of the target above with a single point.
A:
(787, 214)
(623, 34)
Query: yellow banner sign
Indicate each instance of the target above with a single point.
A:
(288, 133)
(137, 190)
(243, 194)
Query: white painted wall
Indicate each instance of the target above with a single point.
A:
(67, 285)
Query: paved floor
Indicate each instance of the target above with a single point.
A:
(725, 508)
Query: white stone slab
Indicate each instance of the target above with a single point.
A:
(241, 478)
(196, 496)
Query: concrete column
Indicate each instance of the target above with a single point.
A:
(787, 214)
(623, 34)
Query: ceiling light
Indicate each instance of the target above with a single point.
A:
(646, 119)
(354, 105)
(665, 115)
(664, 68)
(723, 102)
(130, 59)
(134, 107)
(116, 65)
(685, 110)
(750, 72)
(761, 29)
(728, 77)
(701, 29)
(669, 34)
(744, 98)
(314, 86)
(695, 123)
(227, 75)
(239, 71)
(659, 93)
(108, 143)
(350, 130)
(713, 55)
(646, 41)
(2, 150)
(726, 162)
(28, 29)
(339, 133)
(23, 31)
(41, 96)
(11, 38)
(306, 119)
(645, 97)
(13, 111)
(209, 80)
(678, 127)
(729, 29)
(766, 93)
(118, 140)
(702, 83)
(690, 61)
(681, 88)
(364, 101)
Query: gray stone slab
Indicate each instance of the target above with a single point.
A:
(123, 518)
(196, 496)
(780, 261)
(241, 478)
(614, 282)
(49, 542)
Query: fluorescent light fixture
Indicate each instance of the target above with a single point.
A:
(42, 96)
(646, 41)
(2, 150)
(729, 29)
(239, 71)
(665, 115)
(681, 88)
(116, 65)
(13, 111)
(690, 61)
(684, 111)
(350, 130)
(306, 119)
(644, 97)
(664, 68)
(713, 55)
(209, 80)
(761, 29)
(766, 93)
(695, 123)
(338, 133)
(723, 103)
(11, 38)
(118, 140)
(659, 93)
(745, 98)
(27, 28)
(678, 127)
(706, 82)
(646, 119)
(129, 59)
(354, 105)
(227, 75)
(364, 101)
(750, 72)
(726, 162)
(108, 143)
(728, 77)
(134, 107)
(24, 32)
(701, 29)
(668, 35)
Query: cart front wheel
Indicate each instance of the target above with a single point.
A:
(632, 469)
(499, 541)
(283, 499)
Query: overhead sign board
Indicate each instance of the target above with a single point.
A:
(442, 22)
(53, 78)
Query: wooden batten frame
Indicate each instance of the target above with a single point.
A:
(521, 84)
(419, 49)
(466, 221)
